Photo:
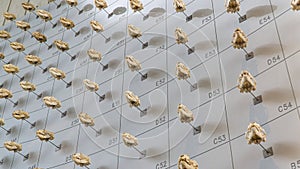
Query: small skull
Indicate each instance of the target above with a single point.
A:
(179, 5)
(61, 45)
(52, 102)
(132, 63)
(28, 6)
(2, 56)
(10, 68)
(81, 159)
(134, 32)
(181, 37)
(17, 46)
(240, 39)
(5, 94)
(129, 140)
(295, 4)
(67, 23)
(255, 134)
(100, 4)
(86, 119)
(23, 25)
(90, 85)
(20, 115)
(13, 146)
(232, 6)
(96, 26)
(94, 55)
(72, 2)
(132, 99)
(185, 115)
(246, 82)
(27, 86)
(4, 35)
(2, 122)
(182, 72)
(45, 135)
(57, 73)
(45, 15)
(33, 60)
(9, 16)
(184, 162)
(136, 5)
(39, 37)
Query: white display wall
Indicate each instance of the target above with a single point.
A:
(219, 108)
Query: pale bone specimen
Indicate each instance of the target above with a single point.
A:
(4, 34)
(180, 36)
(45, 135)
(45, 15)
(246, 82)
(179, 5)
(67, 23)
(240, 39)
(23, 25)
(134, 32)
(255, 134)
(129, 140)
(72, 2)
(33, 60)
(232, 6)
(96, 26)
(39, 37)
(90, 85)
(94, 55)
(182, 72)
(136, 5)
(184, 162)
(27, 86)
(81, 159)
(132, 99)
(17, 46)
(13, 146)
(9, 16)
(20, 115)
(100, 4)
(57, 73)
(52, 102)
(2, 56)
(10, 68)
(295, 4)
(86, 119)
(132, 63)
(28, 6)
(61, 45)
(5, 94)
(185, 115)
(2, 122)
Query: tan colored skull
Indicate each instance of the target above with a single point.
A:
(9, 16)
(100, 4)
(72, 2)
(96, 26)
(136, 5)
(39, 37)
(67, 23)
(129, 140)
(180, 36)
(4, 34)
(255, 134)
(132, 99)
(185, 114)
(184, 162)
(20, 115)
(17, 46)
(86, 119)
(27, 86)
(45, 135)
(295, 5)
(13, 146)
(5, 94)
(179, 5)
(33, 60)
(232, 6)
(94, 55)
(134, 32)
(28, 6)
(90, 85)
(132, 63)
(45, 15)
(246, 82)
(240, 39)
(57, 73)
(52, 102)
(182, 72)
(10, 68)
(61, 45)
(81, 159)
(23, 25)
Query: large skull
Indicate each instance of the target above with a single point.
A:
(255, 134)
(246, 82)
(232, 6)
(240, 39)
